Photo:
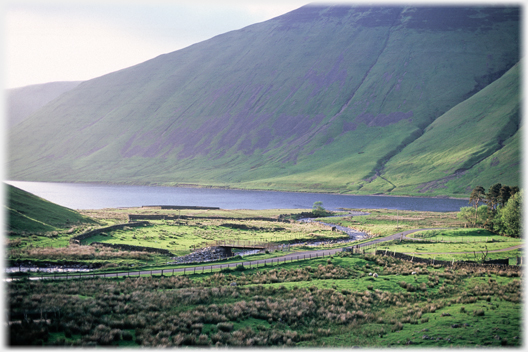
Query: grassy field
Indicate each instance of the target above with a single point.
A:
(330, 302)
(180, 237)
(183, 236)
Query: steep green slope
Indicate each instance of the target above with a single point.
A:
(475, 143)
(23, 101)
(317, 99)
(26, 212)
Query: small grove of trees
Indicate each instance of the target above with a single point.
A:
(500, 212)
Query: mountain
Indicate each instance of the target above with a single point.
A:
(324, 98)
(26, 212)
(23, 101)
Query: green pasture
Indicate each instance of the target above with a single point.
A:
(459, 244)
(181, 239)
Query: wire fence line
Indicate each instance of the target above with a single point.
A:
(192, 270)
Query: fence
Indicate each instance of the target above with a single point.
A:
(187, 271)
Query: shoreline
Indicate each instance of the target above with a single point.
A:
(199, 186)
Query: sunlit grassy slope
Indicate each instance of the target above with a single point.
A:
(323, 98)
(26, 212)
(477, 140)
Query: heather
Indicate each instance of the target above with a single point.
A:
(320, 302)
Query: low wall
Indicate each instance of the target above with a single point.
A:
(133, 217)
(491, 264)
(128, 247)
(180, 207)
(77, 239)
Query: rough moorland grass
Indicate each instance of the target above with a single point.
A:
(330, 302)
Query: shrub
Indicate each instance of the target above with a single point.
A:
(478, 313)
(397, 327)
(126, 335)
(224, 326)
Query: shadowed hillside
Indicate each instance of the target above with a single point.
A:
(323, 98)
(29, 213)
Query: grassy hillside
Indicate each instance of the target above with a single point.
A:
(319, 99)
(22, 102)
(474, 142)
(26, 212)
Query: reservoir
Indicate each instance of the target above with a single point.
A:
(98, 196)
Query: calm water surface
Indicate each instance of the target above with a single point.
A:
(94, 196)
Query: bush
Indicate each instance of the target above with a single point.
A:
(126, 335)
(225, 327)
(478, 313)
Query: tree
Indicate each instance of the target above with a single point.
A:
(468, 214)
(318, 209)
(509, 218)
(492, 197)
(504, 195)
(477, 195)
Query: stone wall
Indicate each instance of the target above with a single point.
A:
(206, 254)
(133, 217)
(492, 264)
(128, 247)
(77, 239)
(179, 207)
